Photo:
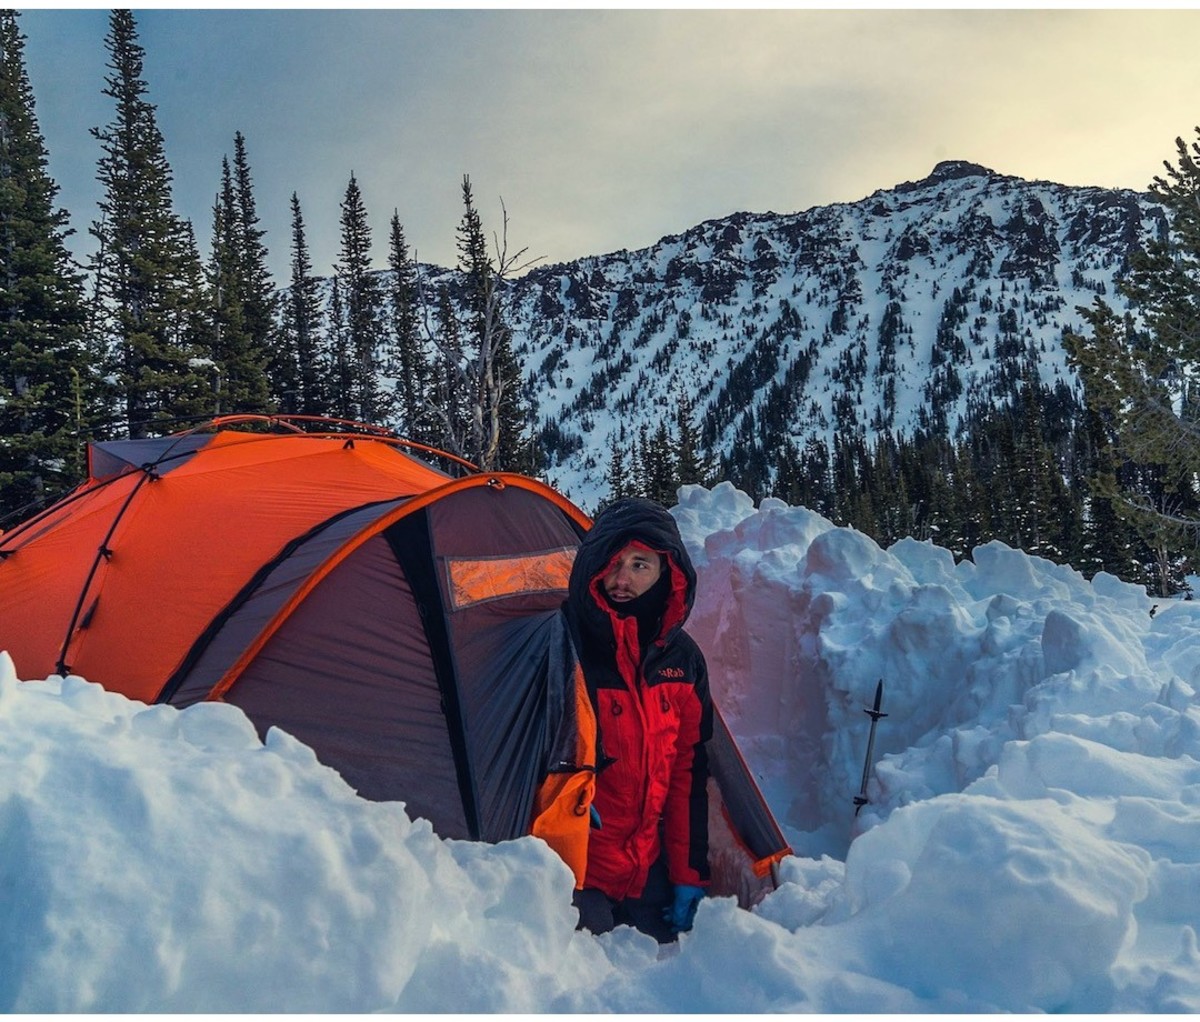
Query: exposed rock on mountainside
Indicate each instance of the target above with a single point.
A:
(901, 311)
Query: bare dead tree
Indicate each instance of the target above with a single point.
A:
(473, 429)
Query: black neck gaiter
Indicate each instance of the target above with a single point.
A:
(648, 609)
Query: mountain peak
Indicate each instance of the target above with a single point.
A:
(948, 170)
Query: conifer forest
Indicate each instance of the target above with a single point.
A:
(1052, 409)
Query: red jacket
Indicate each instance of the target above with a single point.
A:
(653, 712)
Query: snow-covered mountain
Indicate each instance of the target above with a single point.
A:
(899, 311)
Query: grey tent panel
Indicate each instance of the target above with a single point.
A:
(350, 674)
(743, 801)
(240, 624)
(112, 457)
(500, 647)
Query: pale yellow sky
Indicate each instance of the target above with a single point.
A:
(610, 128)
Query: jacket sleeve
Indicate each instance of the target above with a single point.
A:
(563, 800)
(686, 815)
(561, 810)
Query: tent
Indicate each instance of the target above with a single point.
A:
(324, 578)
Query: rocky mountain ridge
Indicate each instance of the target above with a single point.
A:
(897, 312)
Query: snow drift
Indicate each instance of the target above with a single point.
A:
(1032, 841)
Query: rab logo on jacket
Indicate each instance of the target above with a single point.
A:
(672, 673)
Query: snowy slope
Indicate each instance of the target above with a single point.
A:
(1031, 843)
(903, 309)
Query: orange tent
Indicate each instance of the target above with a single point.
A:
(396, 619)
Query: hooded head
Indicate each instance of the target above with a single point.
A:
(649, 525)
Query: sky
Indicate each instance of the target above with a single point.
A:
(606, 129)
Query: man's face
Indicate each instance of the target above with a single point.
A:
(633, 573)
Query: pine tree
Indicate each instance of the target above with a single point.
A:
(1030, 471)
(243, 301)
(363, 308)
(142, 317)
(691, 466)
(257, 292)
(660, 467)
(1136, 370)
(341, 357)
(299, 369)
(973, 500)
(889, 496)
(619, 483)
(1110, 543)
(228, 318)
(191, 327)
(942, 518)
(46, 385)
(482, 394)
(411, 365)
(449, 387)
(804, 476)
(639, 479)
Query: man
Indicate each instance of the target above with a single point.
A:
(631, 590)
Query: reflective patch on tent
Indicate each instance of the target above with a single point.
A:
(479, 580)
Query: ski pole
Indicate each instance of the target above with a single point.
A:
(861, 799)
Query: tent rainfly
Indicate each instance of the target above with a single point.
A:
(396, 619)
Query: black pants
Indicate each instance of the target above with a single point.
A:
(599, 913)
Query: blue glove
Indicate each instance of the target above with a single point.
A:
(683, 909)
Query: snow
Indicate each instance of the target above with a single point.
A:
(1031, 843)
(1002, 264)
